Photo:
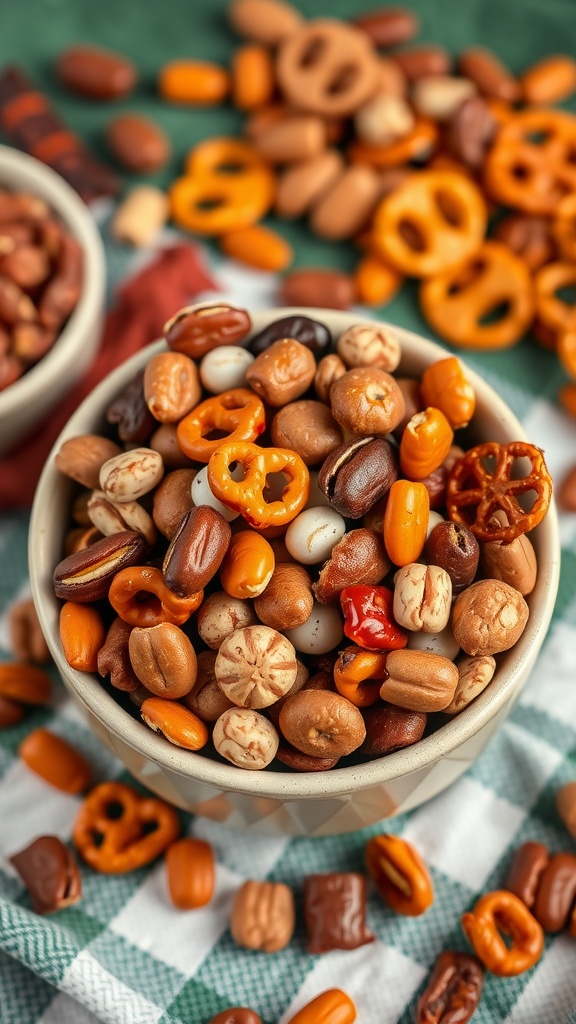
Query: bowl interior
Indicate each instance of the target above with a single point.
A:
(493, 421)
(22, 173)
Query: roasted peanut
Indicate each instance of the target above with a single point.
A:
(171, 386)
(282, 373)
(82, 635)
(287, 600)
(419, 681)
(55, 761)
(82, 458)
(322, 724)
(163, 659)
(489, 617)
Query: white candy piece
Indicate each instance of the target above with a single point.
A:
(322, 632)
(312, 535)
(433, 519)
(202, 494)
(442, 643)
(225, 368)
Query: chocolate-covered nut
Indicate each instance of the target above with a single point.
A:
(390, 728)
(471, 131)
(366, 401)
(308, 428)
(281, 373)
(172, 500)
(335, 911)
(357, 474)
(86, 575)
(454, 548)
(287, 601)
(96, 73)
(525, 871)
(138, 143)
(388, 26)
(114, 659)
(196, 331)
(322, 724)
(130, 413)
(514, 563)
(453, 990)
(50, 873)
(435, 484)
(81, 458)
(196, 551)
(311, 287)
(299, 762)
(164, 440)
(236, 1015)
(556, 892)
(358, 558)
(308, 332)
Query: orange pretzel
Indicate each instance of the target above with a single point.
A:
(112, 828)
(474, 492)
(504, 911)
(239, 413)
(417, 144)
(455, 302)
(433, 221)
(400, 874)
(358, 675)
(226, 186)
(553, 313)
(564, 227)
(530, 166)
(247, 496)
(140, 597)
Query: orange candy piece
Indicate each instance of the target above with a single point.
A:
(406, 521)
(252, 77)
(425, 443)
(55, 761)
(431, 223)
(259, 247)
(376, 281)
(82, 634)
(193, 81)
(191, 872)
(330, 1007)
(400, 874)
(175, 722)
(248, 565)
(358, 675)
(24, 683)
(445, 386)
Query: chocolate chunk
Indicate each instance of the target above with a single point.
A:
(334, 912)
(50, 874)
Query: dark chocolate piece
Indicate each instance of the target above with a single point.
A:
(334, 912)
(50, 874)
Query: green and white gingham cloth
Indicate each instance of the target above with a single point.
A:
(125, 955)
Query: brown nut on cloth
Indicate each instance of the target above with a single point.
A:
(50, 874)
(334, 912)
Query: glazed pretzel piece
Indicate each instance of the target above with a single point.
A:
(226, 186)
(117, 830)
(239, 413)
(555, 315)
(531, 165)
(503, 911)
(248, 496)
(434, 221)
(474, 493)
(328, 68)
(456, 302)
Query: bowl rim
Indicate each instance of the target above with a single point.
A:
(45, 183)
(271, 784)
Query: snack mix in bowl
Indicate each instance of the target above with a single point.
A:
(283, 556)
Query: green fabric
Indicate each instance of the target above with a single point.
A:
(112, 958)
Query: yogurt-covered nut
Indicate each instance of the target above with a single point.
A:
(367, 400)
(255, 666)
(322, 724)
(219, 615)
(128, 476)
(245, 738)
(225, 368)
(384, 119)
(312, 534)
(474, 674)
(489, 617)
(364, 345)
(202, 493)
(321, 632)
(422, 597)
(442, 643)
(110, 517)
(330, 369)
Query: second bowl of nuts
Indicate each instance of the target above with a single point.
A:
(299, 595)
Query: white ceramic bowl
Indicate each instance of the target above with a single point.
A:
(29, 399)
(291, 803)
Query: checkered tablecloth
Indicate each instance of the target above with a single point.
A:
(125, 955)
